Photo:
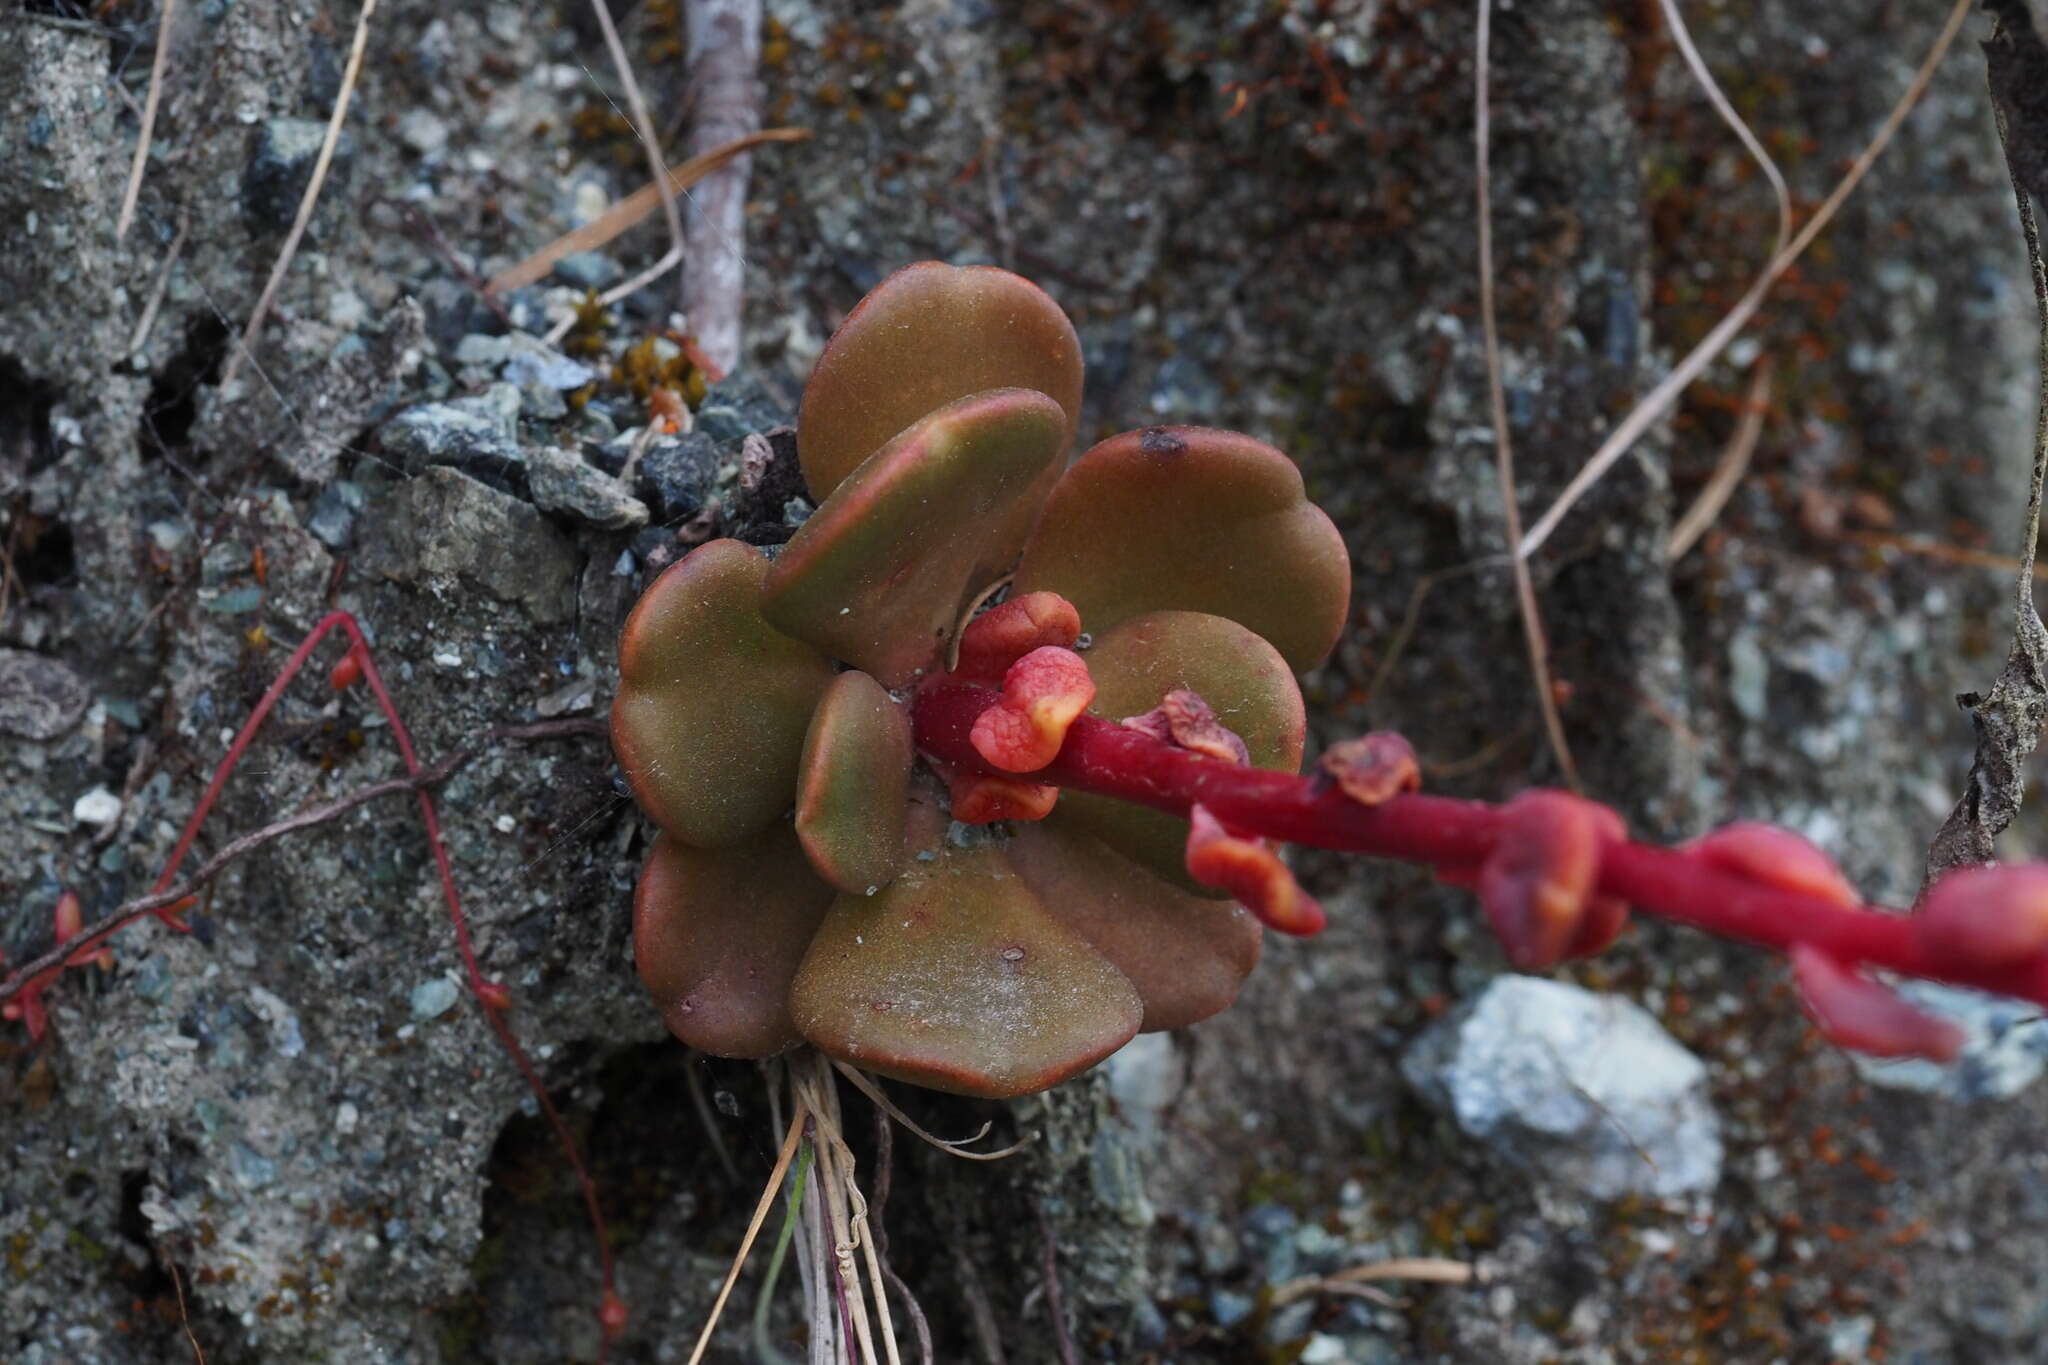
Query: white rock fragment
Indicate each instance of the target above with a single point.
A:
(97, 807)
(1584, 1089)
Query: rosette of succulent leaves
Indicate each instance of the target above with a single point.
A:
(820, 878)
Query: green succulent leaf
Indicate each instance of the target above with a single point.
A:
(713, 702)
(881, 572)
(1197, 520)
(718, 935)
(955, 976)
(929, 335)
(1239, 674)
(853, 787)
(1185, 954)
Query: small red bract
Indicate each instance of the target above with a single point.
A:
(1004, 634)
(1854, 1012)
(1538, 887)
(983, 798)
(1042, 694)
(1252, 872)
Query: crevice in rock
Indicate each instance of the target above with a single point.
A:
(173, 404)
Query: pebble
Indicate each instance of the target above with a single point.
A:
(40, 698)
(332, 519)
(433, 997)
(562, 482)
(1584, 1089)
(474, 435)
(280, 166)
(97, 807)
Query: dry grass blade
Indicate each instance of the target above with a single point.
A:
(767, 1201)
(1423, 1269)
(150, 309)
(1683, 37)
(1660, 398)
(953, 1147)
(1728, 471)
(1496, 397)
(309, 199)
(644, 127)
(133, 193)
(633, 209)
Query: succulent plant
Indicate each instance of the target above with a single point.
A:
(819, 878)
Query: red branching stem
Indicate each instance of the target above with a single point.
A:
(487, 993)
(1120, 761)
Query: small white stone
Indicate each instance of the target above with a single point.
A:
(346, 1117)
(447, 658)
(97, 807)
(506, 824)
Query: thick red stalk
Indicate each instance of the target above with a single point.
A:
(1122, 761)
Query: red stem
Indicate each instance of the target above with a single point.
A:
(1116, 760)
(346, 623)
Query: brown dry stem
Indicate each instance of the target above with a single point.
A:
(2008, 721)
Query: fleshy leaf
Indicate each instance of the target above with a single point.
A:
(713, 702)
(853, 784)
(1186, 955)
(881, 572)
(1198, 520)
(927, 336)
(1242, 678)
(955, 976)
(718, 935)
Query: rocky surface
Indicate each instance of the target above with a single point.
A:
(1259, 215)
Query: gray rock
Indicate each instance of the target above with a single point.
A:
(433, 998)
(332, 519)
(279, 167)
(737, 406)
(449, 532)
(521, 359)
(562, 482)
(1584, 1089)
(477, 435)
(675, 475)
(2004, 1051)
(39, 698)
(588, 270)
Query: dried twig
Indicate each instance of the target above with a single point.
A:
(1734, 463)
(1425, 1269)
(241, 847)
(178, 1287)
(1496, 395)
(2008, 722)
(165, 15)
(1055, 1300)
(644, 126)
(1660, 398)
(308, 199)
(163, 283)
(1683, 37)
(724, 38)
(633, 209)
